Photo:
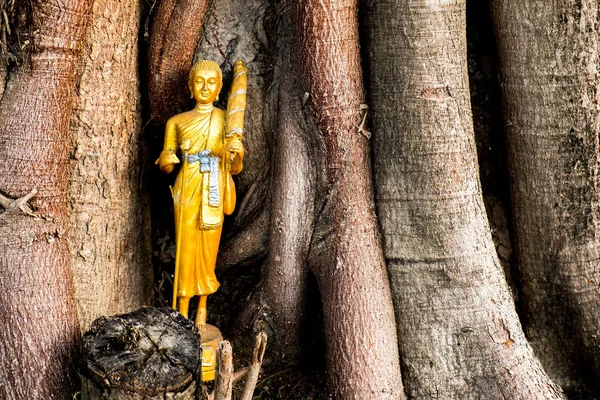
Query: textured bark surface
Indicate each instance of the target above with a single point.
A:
(551, 89)
(108, 213)
(3, 75)
(459, 334)
(148, 354)
(175, 30)
(293, 188)
(38, 321)
(346, 255)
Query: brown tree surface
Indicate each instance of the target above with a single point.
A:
(346, 258)
(108, 210)
(38, 320)
(549, 62)
(175, 30)
(306, 198)
(293, 206)
(450, 295)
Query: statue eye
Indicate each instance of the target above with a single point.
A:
(212, 81)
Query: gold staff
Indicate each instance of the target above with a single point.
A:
(236, 105)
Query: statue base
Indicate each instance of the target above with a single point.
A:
(210, 337)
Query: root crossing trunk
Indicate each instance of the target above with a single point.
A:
(346, 255)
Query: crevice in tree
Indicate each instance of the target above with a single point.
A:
(488, 123)
(16, 31)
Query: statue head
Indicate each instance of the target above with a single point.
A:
(205, 81)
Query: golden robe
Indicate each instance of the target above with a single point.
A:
(201, 221)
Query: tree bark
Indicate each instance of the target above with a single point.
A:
(38, 320)
(109, 213)
(175, 31)
(346, 255)
(224, 378)
(551, 89)
(460, 337)
(293, 194)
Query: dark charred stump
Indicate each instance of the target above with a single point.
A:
(151, 353)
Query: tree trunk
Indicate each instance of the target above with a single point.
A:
(150, 354)
(460, 337)
(175, 31)
(551, 88)
(38, 320)
(293, 193)
(346, 255)
(109, 236)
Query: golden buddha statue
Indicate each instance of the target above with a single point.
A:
(211, 148)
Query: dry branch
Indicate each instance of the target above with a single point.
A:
(260, 345)
(19, 204)
(224, 381)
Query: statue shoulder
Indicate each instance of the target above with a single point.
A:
(178, 119)
(218, 114)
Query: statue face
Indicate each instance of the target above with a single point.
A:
(205, 86)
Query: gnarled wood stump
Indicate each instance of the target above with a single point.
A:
(149, 354)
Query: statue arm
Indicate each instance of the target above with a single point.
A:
(237, 160)
(168, 159)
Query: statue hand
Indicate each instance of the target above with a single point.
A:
(167, 161)
(167, 169)
(234, 146)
